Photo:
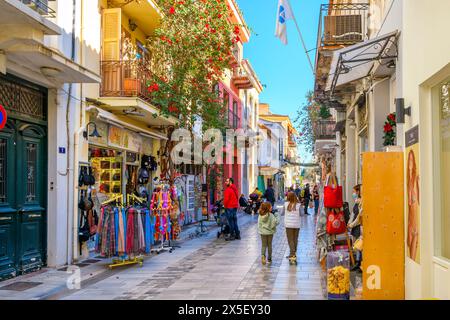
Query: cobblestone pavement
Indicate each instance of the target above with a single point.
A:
(203, 268)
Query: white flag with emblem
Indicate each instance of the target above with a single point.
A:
(284, 13)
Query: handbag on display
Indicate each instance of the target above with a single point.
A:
(92, 223)
(143, 176)
(358, 245)
(336, 222)
(332, 194)
(84, 232)
(105, 176)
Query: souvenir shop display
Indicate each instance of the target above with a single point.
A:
(88, 217)
(124, 232)
(161, 206)
(108, 173)
(338, 275)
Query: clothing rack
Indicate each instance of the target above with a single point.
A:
(123, 260)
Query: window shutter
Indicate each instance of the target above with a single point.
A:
(111, 34)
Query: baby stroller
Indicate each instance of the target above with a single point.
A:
(221, 219)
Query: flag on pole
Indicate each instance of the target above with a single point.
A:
(284, 13)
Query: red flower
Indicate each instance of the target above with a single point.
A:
(236, 30)
(173, 108)
(387, 128)
(172, 10)
(154, 87)
(391, 117)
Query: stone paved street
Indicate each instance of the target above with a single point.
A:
(203, 268)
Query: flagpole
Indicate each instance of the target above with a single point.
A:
(304, 45)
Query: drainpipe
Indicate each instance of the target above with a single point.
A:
(69, 96)
(76, 142)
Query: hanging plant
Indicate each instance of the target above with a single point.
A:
(390, 130)
(324, 112)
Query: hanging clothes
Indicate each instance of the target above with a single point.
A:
(130, 231)
(121, 233)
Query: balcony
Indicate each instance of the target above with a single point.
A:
(241, 78)
(41, 7)
(342, 24)
(324, 130)
(125, 79)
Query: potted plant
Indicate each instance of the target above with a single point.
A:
(390, 133)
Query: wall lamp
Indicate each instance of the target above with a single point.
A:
(132, 24)
(94, 133)
(401, 111)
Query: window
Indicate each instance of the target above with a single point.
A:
(143, 53)
(31, 171)
(444, 168)
(235, 115)
(226, 106)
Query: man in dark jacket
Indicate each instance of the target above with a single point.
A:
(307, 198)
(231, 204)
(269, 195)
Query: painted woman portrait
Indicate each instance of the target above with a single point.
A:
(413, 206)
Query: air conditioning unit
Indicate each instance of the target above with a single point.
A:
(343, 29)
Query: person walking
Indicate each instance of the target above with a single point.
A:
(307, 198)
(316, 198)
(298, 192)
(292, 224)
(267, 226)
(269, 195)
(231, 205)
(355, 224)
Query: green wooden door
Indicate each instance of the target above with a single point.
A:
(8, 222)
(22, 198)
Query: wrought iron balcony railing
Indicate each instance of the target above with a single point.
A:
(342, 24)
(40, 6)
(324, 129)
(125, 79)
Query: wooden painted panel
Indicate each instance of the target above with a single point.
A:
(383, 226)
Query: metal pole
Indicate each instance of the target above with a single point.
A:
(304, 45)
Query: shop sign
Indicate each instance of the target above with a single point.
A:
(132, 141)
(102, 129)
(3, 117)
(124, 139)
(147, 146)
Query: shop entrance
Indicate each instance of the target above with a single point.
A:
(22, 198)
(23, 176)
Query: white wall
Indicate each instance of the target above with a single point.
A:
(426, 57)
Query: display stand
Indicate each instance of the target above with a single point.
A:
(164, 246)
(123, 261)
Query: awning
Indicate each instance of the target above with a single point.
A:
(356, 62)
(125, 122)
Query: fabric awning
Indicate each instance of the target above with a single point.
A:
(357, 61)
(125, 122)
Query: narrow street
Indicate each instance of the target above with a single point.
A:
(204, 268)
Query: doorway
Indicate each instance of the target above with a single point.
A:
(23, 176)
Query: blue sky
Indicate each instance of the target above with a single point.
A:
(283, 69)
